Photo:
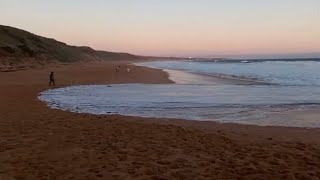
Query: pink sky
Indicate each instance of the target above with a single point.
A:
(173, 27)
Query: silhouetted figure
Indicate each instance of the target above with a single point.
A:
(51, 82)
(118, 69)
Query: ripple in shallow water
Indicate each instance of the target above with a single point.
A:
(260, 105)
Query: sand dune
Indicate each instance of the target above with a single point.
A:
(20, 50)
(41, 143)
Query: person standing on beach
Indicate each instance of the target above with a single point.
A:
(118, 69)
(51, 81)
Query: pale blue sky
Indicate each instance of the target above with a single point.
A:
(174, 27)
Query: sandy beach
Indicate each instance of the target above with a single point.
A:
(37, 142)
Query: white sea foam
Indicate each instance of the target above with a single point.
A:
(227, 103)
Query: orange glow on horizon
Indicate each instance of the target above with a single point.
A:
(168, 28)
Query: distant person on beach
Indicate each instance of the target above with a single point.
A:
(51, 81)
(118, 69)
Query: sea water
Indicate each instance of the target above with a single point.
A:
(285, 88)
(282, 72)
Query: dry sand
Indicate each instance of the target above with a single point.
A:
(41, 143)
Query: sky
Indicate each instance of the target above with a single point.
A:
(197, 28)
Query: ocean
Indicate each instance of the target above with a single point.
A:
(258, 92)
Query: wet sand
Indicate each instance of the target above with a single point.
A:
(41, 143)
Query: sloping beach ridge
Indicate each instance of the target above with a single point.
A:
(42, 143)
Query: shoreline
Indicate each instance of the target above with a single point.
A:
(183, 77)
(280, 115)
(41, 142)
